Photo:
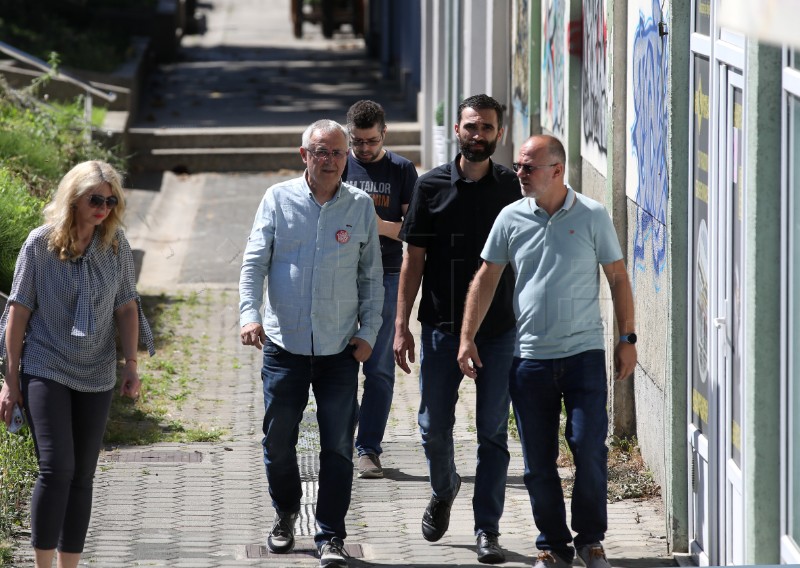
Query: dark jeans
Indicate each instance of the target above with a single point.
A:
(376, 402)
(334, 379)
(537, 388)
(67, 428)
(440, 378)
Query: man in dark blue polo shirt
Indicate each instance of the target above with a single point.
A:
(451, 213)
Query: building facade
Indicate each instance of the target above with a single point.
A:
(682, 117)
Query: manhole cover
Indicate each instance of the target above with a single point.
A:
(155, 457)
(261, 551)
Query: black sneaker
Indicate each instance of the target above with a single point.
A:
(332, 553)
(281, 538)
(436, 519)
(489, 551)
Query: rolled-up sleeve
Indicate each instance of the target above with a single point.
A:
(256, 261)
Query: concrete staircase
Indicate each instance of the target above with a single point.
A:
(239, 149)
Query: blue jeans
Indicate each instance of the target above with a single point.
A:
(537, 388)
(379, 377)
(439, 381)
(287, 378)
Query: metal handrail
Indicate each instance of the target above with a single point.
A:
(58, 75)
(20, 55)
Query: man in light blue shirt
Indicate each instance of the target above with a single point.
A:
(556, 240)
(315, 242)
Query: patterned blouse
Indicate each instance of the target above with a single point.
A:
(71, 334)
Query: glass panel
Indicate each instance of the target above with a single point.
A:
(702, 16)
(796, 58)
(794, 299)
(736, 139)
(700, 333)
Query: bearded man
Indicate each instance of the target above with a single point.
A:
(451, 212)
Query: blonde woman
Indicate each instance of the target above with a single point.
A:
(73, 288)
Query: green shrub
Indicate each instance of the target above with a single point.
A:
(85, 33)
(39, 143)
(20, 212)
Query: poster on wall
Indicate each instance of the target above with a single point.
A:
(594, 85)
(647, 182)
(701, 320)
(553, 63)
(520, 78)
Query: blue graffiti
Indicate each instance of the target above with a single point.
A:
(649, 143)
(553, 69)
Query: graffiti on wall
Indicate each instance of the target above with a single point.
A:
(553, 67)
(647, 163)
(594, 97)
(520, 83)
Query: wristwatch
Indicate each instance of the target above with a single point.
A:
(629, 338)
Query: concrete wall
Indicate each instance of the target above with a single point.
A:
(761, 442)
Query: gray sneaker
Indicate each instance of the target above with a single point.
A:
(549, 559)
(369, 467)
(281, 537)
(593, 556)
(332, 553)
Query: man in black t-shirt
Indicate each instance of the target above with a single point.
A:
(451, 213)
(389, 179)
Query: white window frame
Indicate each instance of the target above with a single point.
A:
(790, 550)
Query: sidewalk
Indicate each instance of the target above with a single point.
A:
(206, 504)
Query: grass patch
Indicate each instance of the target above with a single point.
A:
(18, 471)
(167, 381)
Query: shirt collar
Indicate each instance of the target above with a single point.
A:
(569, 201)
(455, 177)
(307, 188)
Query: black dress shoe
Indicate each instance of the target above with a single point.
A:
(437, 516)
(489, 551)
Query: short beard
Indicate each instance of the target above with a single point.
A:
(477, 155)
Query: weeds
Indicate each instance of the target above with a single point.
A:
(18, 471)
(628, 476)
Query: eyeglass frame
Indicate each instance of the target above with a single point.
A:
(370, 142)
(96, 201)
(324, 154)
(528, 168)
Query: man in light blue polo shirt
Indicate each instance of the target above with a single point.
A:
(556, 240)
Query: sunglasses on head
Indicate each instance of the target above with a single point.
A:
(97, 201)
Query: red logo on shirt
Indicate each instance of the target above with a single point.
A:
(342, 236)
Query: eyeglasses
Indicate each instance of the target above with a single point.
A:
(368, 142)
(96, 201)
(327, 154)
(527, 168)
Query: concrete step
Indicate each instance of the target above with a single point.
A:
(239, 149)
(233, 159)
(142, 138)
